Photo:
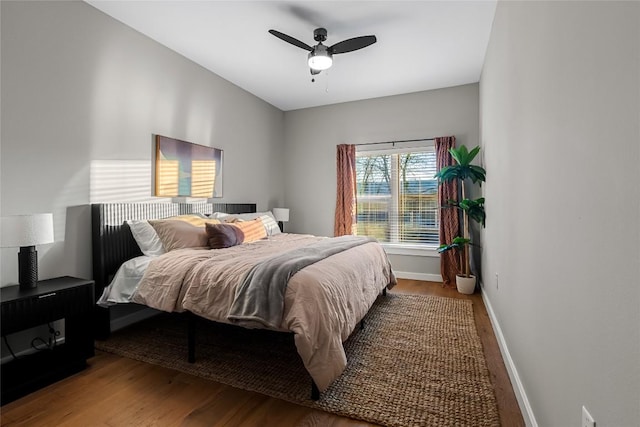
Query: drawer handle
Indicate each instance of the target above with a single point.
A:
(52, 294)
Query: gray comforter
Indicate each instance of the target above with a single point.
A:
(260, 297)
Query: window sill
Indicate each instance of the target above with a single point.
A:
(415, 250)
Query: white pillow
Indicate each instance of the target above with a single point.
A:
(146, 237)
(270, 225)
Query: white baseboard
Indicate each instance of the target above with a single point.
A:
(418, 276)
(521, 395)
(132, 318)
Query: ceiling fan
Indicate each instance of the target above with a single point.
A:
(321, 56)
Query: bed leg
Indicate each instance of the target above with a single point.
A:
(384, 292)
(191, 338)
(315, 393)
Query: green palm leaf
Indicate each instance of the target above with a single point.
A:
(463, 169)
(457, 243)
(459, 154)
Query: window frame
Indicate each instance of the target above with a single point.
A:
(403, 248)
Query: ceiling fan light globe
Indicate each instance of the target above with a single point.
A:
(320, 60)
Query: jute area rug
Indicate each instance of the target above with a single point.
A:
(417, 362)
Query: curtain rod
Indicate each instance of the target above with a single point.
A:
(394, 142)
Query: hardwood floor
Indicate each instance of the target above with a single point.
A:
(115, 391)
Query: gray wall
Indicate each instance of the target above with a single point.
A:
(560, 114)
(311, 136)
(82, 95)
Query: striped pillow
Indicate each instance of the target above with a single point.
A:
(270, 225)
(253, 230)
(196, 220)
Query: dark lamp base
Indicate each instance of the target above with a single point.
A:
(28, 267)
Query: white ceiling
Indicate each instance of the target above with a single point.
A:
(421, 45)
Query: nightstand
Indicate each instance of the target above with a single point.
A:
(66, 298)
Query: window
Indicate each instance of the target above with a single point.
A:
(397, 195)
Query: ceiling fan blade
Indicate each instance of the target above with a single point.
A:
(350, 45)
(291, 40)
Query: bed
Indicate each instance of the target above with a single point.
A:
(330, 284)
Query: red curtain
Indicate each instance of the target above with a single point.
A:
(345, 219)
(449, 224)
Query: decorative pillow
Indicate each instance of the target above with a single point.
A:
(178, 234)
(270, 225)
(230, 219)
(223, 235)
(146, 237)
(194, 219)
(252, 230)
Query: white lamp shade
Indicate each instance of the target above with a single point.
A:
(26, 230)
(320, 59)
(281, 214)
(320, 62)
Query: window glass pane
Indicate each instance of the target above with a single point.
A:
(373, 179)
(418, 202)
(398, 196)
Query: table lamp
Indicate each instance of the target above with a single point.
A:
(27, 231)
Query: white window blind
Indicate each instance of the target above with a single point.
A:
(397, 196)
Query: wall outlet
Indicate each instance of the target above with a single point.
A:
(587, 419)
(496, 280)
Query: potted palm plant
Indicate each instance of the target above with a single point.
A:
(463, 171)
